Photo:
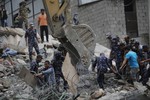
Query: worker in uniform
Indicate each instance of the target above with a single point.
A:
(102, 66)
(23, 12)
(57, 64)
(145, 73)
(119, 56)
(32, 40)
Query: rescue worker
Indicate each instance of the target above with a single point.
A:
(144, 55)
(102, 66)
(3, 16)
(23, 12)
(42, 22)
(32, 40)
(146, 76)
(18, 21)
(34, 65)
(47, 75)
(57, 64)
(127, 40)
(119, 59)
(132, 58)
(145, 73)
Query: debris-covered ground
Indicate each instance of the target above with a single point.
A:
(12, 87)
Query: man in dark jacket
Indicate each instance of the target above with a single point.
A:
(32, 40)
(102, 66)
(57, 64)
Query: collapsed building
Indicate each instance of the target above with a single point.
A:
(13, 38)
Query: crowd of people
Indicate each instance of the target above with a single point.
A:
(131, 58)
(52, 72)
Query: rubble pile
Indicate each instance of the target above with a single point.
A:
(114, 89)
(13, 87)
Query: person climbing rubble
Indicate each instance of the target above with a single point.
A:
(102, 64)
(32, 40)
(57, 64)
(132, 58)
(47, 75)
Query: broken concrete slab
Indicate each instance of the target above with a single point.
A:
(2, 68)
(6, 82)
(23, 72)
(97, 94)
(28, 77)
(11, 31)
(22, 62)
(1, 87)
(121, 82)
(101, 49)
(11, 40)
(17, 39)
(70, 74)
(1, 74)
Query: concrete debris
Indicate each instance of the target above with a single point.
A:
(28, 77)
(97, 94)
(121, 82)
(11, 31)
(101, 49)
(1, 87)
(84, 96)
(2, 68)
(1, 74)
(24, 86)
(6, 82)
(70, 74)
(22, 62)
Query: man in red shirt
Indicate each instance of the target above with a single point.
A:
(42, 22)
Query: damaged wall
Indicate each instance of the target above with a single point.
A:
(104, 16)
(107, 16)
(142, 16)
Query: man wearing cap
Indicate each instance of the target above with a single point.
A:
(31, 40)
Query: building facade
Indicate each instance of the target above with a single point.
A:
(114, 16)
(118, 17)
